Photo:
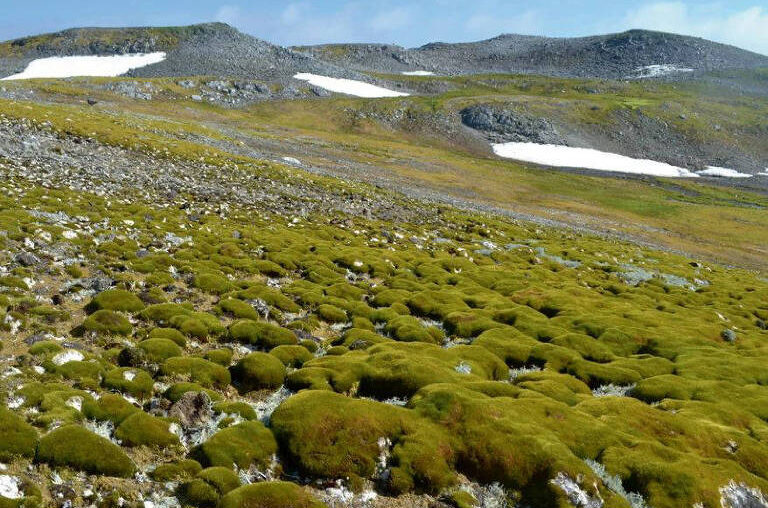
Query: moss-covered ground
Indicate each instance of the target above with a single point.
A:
(434, 356)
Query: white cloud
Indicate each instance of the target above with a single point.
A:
(228, 14)
(747, 28)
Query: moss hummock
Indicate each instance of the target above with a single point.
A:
(270, 495)
(243, 445)
(78, 448)
(17, 437)
(257, 371)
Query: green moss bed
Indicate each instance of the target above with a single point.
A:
(441, 357)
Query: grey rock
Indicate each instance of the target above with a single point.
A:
(26, 259)
(192, 410)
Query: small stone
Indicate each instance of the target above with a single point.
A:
(728, 335)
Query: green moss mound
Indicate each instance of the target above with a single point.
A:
(107, 322)
(159, 350)
(169, 333)
(17, 437)
(136, 382)
(212, 283)
(142, 429)
(270, 495)
(75, 447)
(257, 371)
(243, 445)
(292, 356)
(116, 300)
(203, 372)
(110, 407)
(328, 435)
(174, 471)
(332, 314)
(264, 335)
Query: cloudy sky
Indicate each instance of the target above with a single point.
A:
(743, 23)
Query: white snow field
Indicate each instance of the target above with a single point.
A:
(90, 65)
(723, 173)
(418, 73)
(348, 86)
(587, 158)
(655, 71)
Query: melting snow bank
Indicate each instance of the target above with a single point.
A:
(418, 73)
(723, 172)
(656, 71)
(586, 158)
(91, 65)
(348, 86)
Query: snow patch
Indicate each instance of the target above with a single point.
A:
(658, 70)
(587, 158)
(292, 160)
(70, 355)
(418, 73)
(9, 487)
(722, 173)
(348, 86)
(91, 65)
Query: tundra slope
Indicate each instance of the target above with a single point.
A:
(613, 56)
(210, 49)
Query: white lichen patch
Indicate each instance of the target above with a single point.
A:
(70, 355)
(577, 495)
(10, 487)
(612, 390)
(740, 495)
(265, 408)
(464, 368)
(15, 402)
(129, 375)
(75, 402)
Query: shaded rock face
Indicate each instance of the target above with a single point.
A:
(192, 410)
(503, 125)
(612, 56)
(209, 49)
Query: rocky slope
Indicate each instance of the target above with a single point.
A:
(614, 56)
(211, 49)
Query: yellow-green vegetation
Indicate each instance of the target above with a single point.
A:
(270, 495)
(242, 445)
(78, 448)
(409, 356)
(258, 371)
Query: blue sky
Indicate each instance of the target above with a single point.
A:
(409, 23)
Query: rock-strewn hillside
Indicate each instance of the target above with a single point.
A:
(211, 49)
(605, 56)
